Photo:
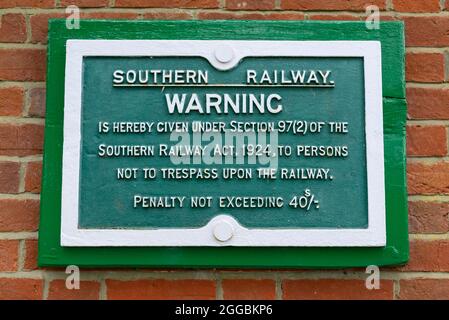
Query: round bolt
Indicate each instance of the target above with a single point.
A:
(223, 231)
(224, 54)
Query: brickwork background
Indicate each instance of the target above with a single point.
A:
(23, 36)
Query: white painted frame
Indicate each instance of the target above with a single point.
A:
(219, 226)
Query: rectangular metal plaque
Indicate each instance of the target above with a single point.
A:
(226, 142)
(281, 143)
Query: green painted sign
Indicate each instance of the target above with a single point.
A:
(332, 169)
(179, 144)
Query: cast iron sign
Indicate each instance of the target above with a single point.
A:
(203, 144)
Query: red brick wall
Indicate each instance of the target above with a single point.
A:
(23, 33)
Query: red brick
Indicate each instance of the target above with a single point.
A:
(11, 101)
(22, 64)
(22, 139)
(9, 253)
(33, 176)
(250, 4)
(351, 5)
(39, 26)
(428, 256)
(424, 289)
(161, 289)
(427, 31)
(426, 103)
(89, 290)
(428, 217)
(30, 262)
(37, 102)
(335, 289)
(284, 16)
(203, 4)
(27, 3)
(250, 16)
(85, 3)
(341, 17)
(426, 140)
(167, 16)
(249, 289)
(428, 178)
(21, 289)
(109, 15)
(39, 22)
(9, 177)
(386, 17)
(424, 67)
(19, 215)
(416, 5)
(12, 28)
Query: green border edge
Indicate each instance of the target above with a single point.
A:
(391, 36)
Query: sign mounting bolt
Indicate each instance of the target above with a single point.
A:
(224, 54)
(223, 231)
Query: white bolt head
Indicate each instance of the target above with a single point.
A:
(223, 231)
(224, 54)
